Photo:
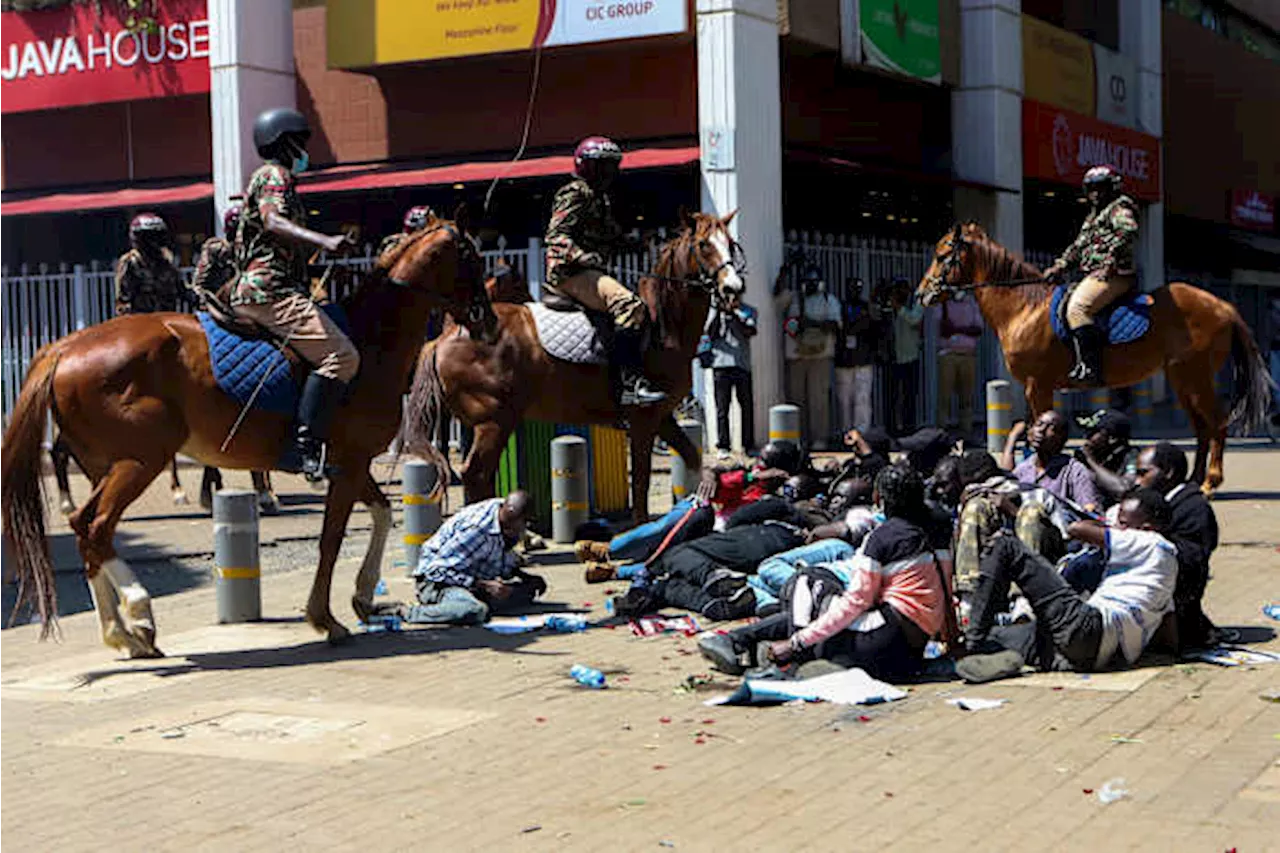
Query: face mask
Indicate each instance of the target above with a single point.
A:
(300, 163)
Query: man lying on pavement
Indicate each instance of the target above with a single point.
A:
(467, 569)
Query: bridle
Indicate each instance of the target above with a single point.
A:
(939, 283)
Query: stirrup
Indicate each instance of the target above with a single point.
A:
(317, 468)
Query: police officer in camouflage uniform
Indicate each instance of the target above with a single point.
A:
(580, 237)
(415, 219)
(147, 276)
(217, 263)
(272, 288)
(1103, 251)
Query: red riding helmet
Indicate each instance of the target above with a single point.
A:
(594, 153)
(416, 217)
(231, 220)
(1103, 177)
(147, 225)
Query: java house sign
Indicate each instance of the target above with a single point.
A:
(76, 55)
(1060, 146)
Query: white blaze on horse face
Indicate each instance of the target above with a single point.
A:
(730, 281)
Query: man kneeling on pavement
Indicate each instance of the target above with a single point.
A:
(468, 569)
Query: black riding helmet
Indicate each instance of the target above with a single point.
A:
(783, 455)
(276, 126)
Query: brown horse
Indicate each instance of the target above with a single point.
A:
(492, 386)
(130, 393)
(1192, 333)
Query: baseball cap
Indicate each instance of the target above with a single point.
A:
(1108, 421)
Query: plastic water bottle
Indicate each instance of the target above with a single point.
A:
(565, 624)
(380, 624)
(587, 676)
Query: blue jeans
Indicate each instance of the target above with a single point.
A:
(446, 605)
(774, 572)
(639, 542)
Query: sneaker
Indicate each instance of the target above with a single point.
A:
(600, 572)
(723, 583)
(635, 603)
(740, 605)
(586, 551)
(722, 654)
(979, 669)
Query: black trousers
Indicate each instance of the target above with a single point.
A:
(683, 572)
(893, 650)
(728, 381)
(905, 385)
(1066, 629)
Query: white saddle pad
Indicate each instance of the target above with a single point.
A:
(568, 335)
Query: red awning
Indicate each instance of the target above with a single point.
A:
(104, 199)
(345, 179)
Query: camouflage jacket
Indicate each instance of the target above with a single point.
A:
(146, 283)
(1105, 242)
(216, 267)
(270, 267)
(390, 242)
(581, 233)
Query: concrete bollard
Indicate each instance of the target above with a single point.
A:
(1099, 398)
(421, 509)
(237, 572)
(570, 488)
(999, 413)
(683, 481)
(784, 422)
(1143, 409)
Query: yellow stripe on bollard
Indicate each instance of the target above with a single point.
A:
(565, 474)
(999, 407)
(784, 435)
(997, 432)
(238, 574)
(416, 538)
(570, 505)
(419, 500)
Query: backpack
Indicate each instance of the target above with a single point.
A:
(808, 594)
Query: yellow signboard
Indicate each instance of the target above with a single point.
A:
(1057, 67)
(363, 33)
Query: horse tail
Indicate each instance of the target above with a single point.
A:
(22, 493)
(1254, 384)
(425, 410)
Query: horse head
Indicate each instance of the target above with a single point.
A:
(702, 259)
(443, 262)
(949, 267)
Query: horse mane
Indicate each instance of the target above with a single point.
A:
(375, 295)
(1002, 265)
(666, 287)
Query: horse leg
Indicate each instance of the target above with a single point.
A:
(267, 502)
(343, 491)
(210, 482)
(642, 466)
(1039, 396)
(481, 466)
(179, 496)
(95, 525)
(1193, 384)
(60, 454)
(371, 569)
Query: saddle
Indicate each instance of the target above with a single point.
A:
(1126, 319)
(569, 332)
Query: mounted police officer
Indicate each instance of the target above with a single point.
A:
(272, 287)
(217, 263)
(415, 219)
(147, 276)
(580, 236)
(1103, 252)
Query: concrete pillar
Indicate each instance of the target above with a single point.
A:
(986, 127)
(1140, 35)
(251, 69)
(740, 127)
(683, 481)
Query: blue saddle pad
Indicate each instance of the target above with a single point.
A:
(1125, 320)
(239, 365)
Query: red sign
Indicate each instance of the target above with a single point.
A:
(1251, 209)
(74, 56)
(1059, 145)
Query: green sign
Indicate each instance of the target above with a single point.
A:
(902, 36)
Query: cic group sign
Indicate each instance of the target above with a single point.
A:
(1060, 146)
(74, 55)
(364, 33)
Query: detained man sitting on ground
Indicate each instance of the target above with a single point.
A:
(1108, 628)
(694, 517)
(897, 596)
(1107, 453)
(468, 569)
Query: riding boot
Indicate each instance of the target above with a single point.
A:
(320, 398)
(628, 355)
(1087, 341)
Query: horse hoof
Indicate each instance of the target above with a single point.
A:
(149, 653)
(67, 506)
(338, 635)
(363, 609)
(267, 504)
(179, 497)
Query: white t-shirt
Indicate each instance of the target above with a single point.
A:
(1136, 591)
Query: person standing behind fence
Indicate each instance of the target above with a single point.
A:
(729, 333)
(908, 317)
(959, 333)
(855, 360)
(812, 322)
(147, 276)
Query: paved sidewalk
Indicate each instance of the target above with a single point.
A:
(262, 737)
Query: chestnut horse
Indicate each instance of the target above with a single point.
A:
(131, 392)
(1192, 333)
(491, 387)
